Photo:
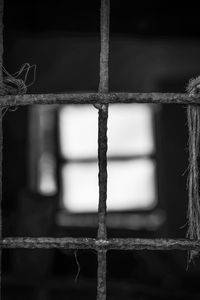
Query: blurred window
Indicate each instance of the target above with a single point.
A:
(131, 158)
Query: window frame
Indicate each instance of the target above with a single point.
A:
(150, 219)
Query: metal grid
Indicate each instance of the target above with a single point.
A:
(101, 101)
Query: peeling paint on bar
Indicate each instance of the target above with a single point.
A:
(98, 245)
(94, 98)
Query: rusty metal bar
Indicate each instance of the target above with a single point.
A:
(1, 129)
(102, 161)
(99, 245)
(102, 146)
(93, 98)
(104, 54)
(101, 275)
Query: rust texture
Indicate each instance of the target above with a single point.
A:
(101, 98)
(104, 54)
(102, 145)
(99, 245)
(101, 275)
(1, 118)
(102, 231)
(102, 161)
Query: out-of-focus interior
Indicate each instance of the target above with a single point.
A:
(50, 179)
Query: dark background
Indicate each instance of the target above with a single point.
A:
(154, 47)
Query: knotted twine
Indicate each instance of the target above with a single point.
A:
(16, 83)
(193, 214)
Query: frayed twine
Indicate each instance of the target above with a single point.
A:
(17, 83)
(193, 214)
(78, 266)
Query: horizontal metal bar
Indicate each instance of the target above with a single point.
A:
(92, 98)
(90, 243)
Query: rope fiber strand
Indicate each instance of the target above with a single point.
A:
(1, 129)
(193, 116)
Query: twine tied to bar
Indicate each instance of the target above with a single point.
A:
(193, 214)
(16, 83)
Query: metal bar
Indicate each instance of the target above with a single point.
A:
(101, 98)
(1, 129)
(101, 275)
(102, 161)
(102, 146)
(104, 54)
(99, 245)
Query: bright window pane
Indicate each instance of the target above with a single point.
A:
(78, 129)
(130, 130)
(131, 185)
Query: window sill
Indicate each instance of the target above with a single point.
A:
(125, 220)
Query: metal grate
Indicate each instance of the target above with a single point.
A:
(101, 101)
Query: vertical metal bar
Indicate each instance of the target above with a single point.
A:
(1, 131)
(102, 147)
(102, 161)
(101, 275)
(104, 55)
